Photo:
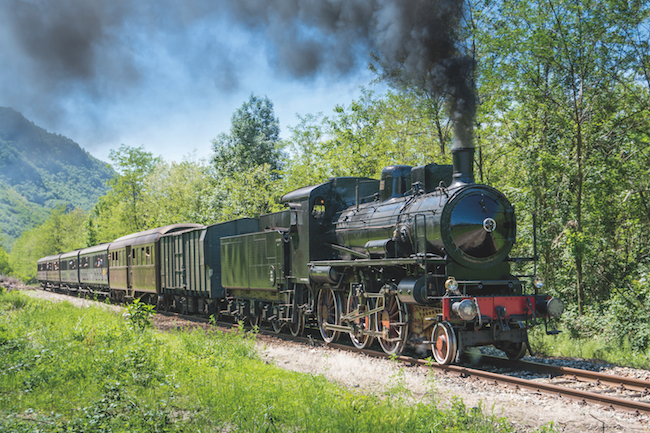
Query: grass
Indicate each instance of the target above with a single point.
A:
(596, 347)
(68, 369)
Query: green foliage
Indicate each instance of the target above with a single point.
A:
(247, 163)
(5, 268)
(70, 369)
(17, 214)
(138, 315)
(124, 204)
(362, 139)
(564, 109)
(64, 230)
(250, 193)
(178, 192)
(253, 139)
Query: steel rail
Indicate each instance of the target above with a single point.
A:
(519, 383)
(621, 383)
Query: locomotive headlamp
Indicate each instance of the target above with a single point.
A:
(552, 307)
(451, 284)
(538, 283)
(465, 309)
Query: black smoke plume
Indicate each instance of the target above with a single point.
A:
(52, 51)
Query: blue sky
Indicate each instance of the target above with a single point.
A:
(168, 78)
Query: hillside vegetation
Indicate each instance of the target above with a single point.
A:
(39, 171)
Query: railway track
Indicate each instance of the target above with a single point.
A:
(610, 391)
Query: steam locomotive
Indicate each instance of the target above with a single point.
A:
(419, 257)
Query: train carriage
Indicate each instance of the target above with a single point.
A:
(93, 269)
(48, 274)
(69, 264)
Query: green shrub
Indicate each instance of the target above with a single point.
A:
(138, 314)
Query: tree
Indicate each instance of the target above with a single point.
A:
(247, 159)
(373, 132)
(5, 268)
(251, 193)
(178, 192)
(122, 210)
(560, 92)
(253, 139)
(133, 165)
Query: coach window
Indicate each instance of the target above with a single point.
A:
(148, 254)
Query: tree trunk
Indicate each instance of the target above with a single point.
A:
(579, 188)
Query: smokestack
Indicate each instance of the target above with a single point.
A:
(463, 150)
(463, 161)
(463, 113)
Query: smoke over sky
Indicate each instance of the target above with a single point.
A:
(168, 74)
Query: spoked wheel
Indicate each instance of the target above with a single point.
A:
(329, 311)
(392, 321)
(365, 323)
(444, 344)
(297, 328)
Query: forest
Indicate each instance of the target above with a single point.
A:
(562, 123)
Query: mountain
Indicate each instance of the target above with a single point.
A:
(40, 170)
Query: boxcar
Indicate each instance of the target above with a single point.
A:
(191, 265)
